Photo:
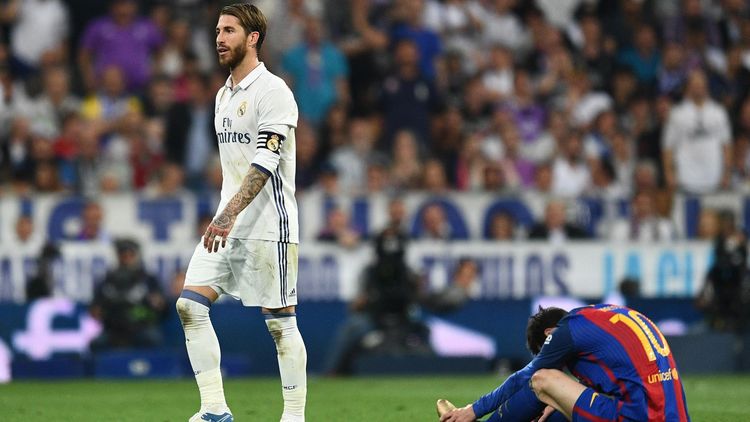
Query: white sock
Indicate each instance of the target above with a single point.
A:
(203, 349)
(292, 357)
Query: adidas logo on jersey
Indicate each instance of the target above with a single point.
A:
(292, 293)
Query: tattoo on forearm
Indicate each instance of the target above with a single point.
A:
(251, 185)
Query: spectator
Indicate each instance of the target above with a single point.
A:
(176, 50)
(643, 58)
(190, 138)
(130, 153)
(18, 160)
(129, 302)
(570, 174)
(555, 228)
(643, 224)
(434, 179)
(158, 98)
(409, 26)
(406, 167)
(543, 179)
(91, 221)
(448, 134)
(500, 25)
(122, 40)
(624, 163)
(434, 224)
(24, 230)
(377, 176)
(55, 102)
(498, 76)
(644, 176)
(338, 230)
(364, 40)
(708, 224)
(604, 182)
(168, 183)
(109, 105)
(287, 22)
(598, 143)
(88, 166)
(309, 156)
(351, 159)
(542, 148)
(673, 70)
(595, 50)
(502, 226)
(316, 71)
(528, 114)
(691, 18)
(329, 180)
(518, 173)
(464, 286)
(470, 165)
(407, 98)
(334, 131)
(39, 34)
(493, 178)
(696, 141)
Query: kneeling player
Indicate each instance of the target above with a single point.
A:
(623, 364)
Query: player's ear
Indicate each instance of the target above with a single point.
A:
(252, 39)
(548, 331)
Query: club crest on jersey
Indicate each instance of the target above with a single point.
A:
(242, 108)
(273, 143)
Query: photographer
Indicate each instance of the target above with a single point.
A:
(129, 303)
(723, 296)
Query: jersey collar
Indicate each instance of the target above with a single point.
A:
(249, 79)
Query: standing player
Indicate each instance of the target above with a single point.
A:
(624, 365)
(249, 250)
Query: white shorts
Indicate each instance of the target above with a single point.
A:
(257, 272)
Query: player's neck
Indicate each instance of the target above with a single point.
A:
(238, 73)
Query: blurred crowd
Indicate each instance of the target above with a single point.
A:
(562, 98)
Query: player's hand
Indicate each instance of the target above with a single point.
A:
(217, 232)
(548, 411)
(464, 414)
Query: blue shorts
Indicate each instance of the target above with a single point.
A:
(594, 407)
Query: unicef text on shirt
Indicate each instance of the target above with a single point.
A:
(234, 137)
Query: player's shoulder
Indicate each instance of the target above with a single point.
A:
(272, 82)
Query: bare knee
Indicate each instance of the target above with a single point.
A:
(543, 379)
(285, 310)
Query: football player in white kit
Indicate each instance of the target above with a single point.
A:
(249, 250)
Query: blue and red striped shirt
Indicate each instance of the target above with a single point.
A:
(614, 350)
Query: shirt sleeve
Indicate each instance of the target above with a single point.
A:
(556, 351)
(277, 115)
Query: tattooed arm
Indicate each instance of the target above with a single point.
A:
(222, 224)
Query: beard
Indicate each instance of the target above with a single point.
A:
(234, 58)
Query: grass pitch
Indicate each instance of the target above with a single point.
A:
(710, 398)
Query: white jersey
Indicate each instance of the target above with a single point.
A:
(255, 124)
(697, 136)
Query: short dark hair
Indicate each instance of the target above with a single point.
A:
(540, 321)
(251, 19)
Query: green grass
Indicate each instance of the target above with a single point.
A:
(710, 398)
